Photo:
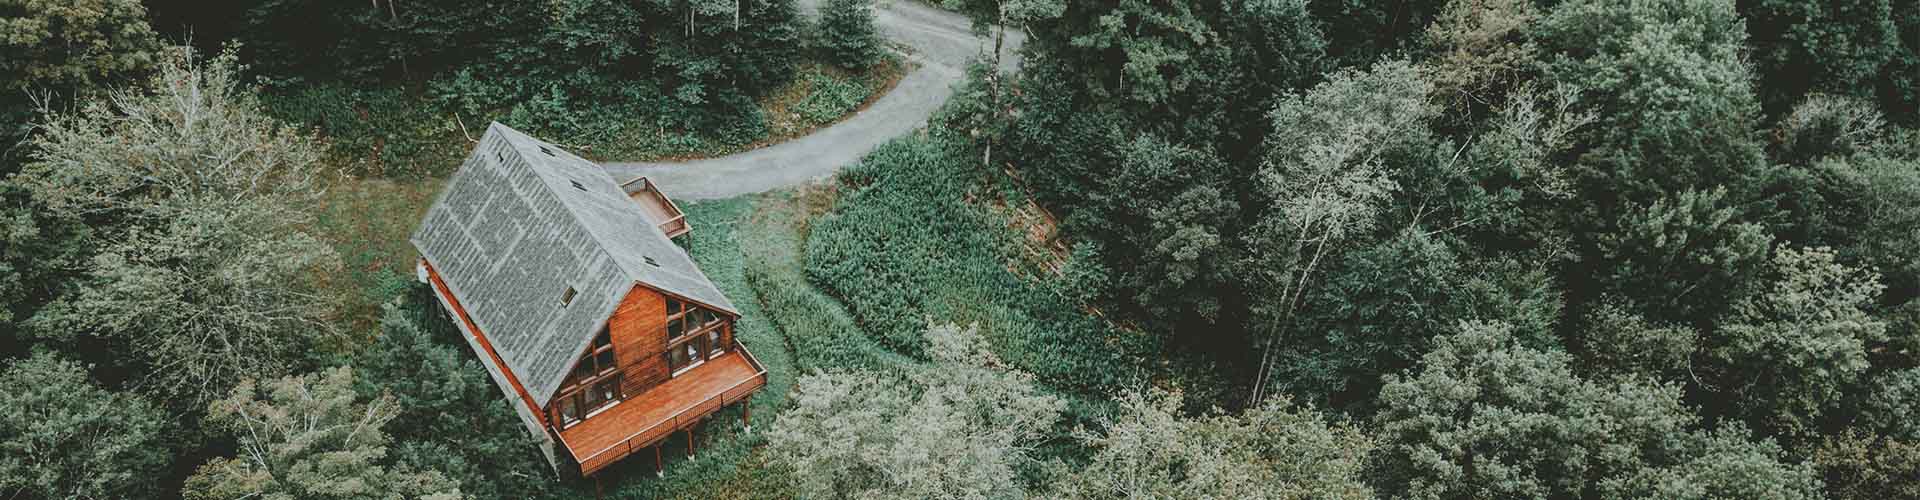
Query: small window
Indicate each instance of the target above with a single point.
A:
(594, 399)
(604, 360)
(567, 297)
(608, 390)
(677, 359)
(569, 410)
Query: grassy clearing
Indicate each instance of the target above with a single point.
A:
(368, 221)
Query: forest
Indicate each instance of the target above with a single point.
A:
(1290, 249)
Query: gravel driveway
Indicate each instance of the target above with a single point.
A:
(942, 44)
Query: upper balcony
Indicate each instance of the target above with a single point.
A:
(662, 211)
(650, 417)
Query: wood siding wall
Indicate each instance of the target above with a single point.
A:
(638, 330)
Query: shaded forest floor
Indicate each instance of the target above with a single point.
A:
(398, 132)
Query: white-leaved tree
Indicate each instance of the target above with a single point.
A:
(1324, 171)
(196, 200)
(958, 428)
(307, 436)
(1274, 451)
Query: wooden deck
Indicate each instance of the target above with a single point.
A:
(655, 205)
(676, 404)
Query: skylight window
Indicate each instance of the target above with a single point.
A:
(567, 297)
(576, 185)
(650, 261)
(544, 149)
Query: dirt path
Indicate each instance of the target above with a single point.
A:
(942, 44)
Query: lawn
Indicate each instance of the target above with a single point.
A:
(368, 222)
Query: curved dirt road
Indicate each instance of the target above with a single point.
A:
(942, 44)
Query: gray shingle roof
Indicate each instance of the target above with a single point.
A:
(522, 222)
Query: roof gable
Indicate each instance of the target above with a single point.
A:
(520, 224)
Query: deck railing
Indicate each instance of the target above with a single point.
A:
(676, 223)
(681, 419)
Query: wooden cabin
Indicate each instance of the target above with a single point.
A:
(603, 334)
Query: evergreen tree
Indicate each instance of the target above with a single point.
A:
(61, 436)
(845, 34)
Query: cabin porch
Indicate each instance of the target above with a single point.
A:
(657, 207)
(678, 404)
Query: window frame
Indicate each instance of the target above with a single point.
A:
(578, 387)
(707, 347)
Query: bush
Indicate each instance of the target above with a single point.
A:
(831, 98)
(818, 329)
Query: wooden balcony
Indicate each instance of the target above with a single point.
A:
(677, 404)
(662, 211)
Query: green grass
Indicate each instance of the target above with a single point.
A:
(368, 221)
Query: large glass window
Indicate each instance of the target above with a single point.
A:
(594, 383)
(694, 334)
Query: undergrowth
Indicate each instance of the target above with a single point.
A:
(910, 241)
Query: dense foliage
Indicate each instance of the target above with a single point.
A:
(398, 82)
(1152, 450)
(308, 436)
(960, 427)
(52, 50)
(62, 436)
(187, 205)
(1678, 212)
(1306, 249)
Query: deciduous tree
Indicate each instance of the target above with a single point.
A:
(1324, 173)
(1787, 351)
(309, 436)
(960, 428)
(198, 202)
(1485, 416)
(1275, 451)
(62, 47)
